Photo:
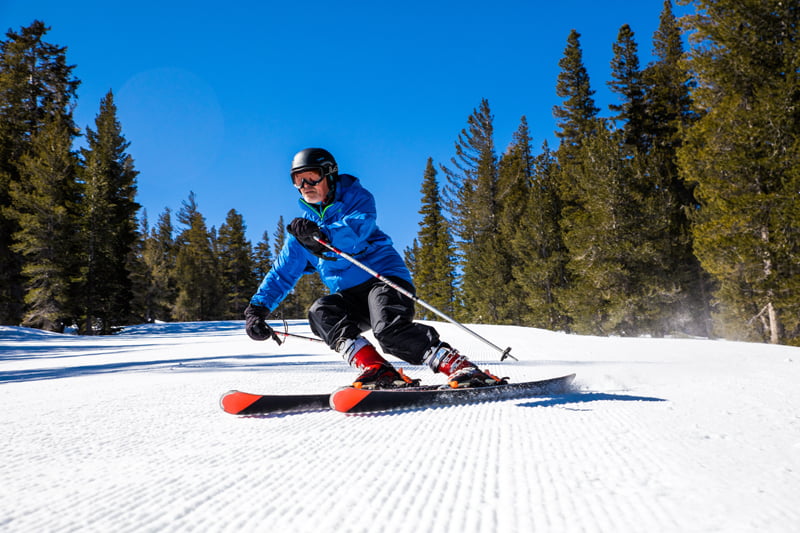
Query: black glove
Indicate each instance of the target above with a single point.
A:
(304, 231)
(256, 325)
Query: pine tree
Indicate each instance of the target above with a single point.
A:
(472, 206)
(159, 255)
(410, 257)
(610, 254)
(262, 258)
(540, 256)
(744, 156)
(514, 183)
(669, 114)
(279, 236)
(628, 84)
(236, 261)
(199, 291)
(108, 223)
(45, 211)
(578, 112)
(668, 101)
(579, 121)
(433, 273)
(36, 88)
(140, 273)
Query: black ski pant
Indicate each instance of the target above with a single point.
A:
(376, 306)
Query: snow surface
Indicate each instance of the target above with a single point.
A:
(125, 433)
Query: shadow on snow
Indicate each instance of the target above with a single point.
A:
(587, 397)
(563, 400)
(234, 362)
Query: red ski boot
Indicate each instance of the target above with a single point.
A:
(461, 372)
(377, 372)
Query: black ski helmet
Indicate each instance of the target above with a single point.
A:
(316, 159)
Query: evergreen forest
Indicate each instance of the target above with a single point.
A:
(674, 212)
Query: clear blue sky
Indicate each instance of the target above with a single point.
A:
(216, 97)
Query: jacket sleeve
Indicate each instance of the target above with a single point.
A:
(292, 262)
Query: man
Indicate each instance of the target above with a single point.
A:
(338, 210)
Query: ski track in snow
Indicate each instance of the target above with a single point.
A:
(124, 433)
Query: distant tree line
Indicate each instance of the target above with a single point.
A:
(73, 250)
(678, 213)
(193, 273)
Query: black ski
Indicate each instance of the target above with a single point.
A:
(351, 400)
(244, 403)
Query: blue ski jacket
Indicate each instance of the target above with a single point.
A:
(350, 224)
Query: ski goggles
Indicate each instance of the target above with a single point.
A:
(306, 181)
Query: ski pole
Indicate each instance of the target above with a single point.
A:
(504, 353)
(286, 333)
(294, 335)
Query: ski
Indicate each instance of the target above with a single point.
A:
(244, 403)
(237, 402)
(351, 400)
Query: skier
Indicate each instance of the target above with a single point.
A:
(338, 210)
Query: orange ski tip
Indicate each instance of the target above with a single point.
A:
(346, 399)
(234, 402)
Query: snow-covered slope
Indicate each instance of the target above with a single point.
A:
(124, 433)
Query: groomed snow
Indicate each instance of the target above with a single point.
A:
(125, 433)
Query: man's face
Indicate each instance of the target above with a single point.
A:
(312, 194)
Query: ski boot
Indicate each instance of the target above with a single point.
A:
(460, 371)
(377, 372)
